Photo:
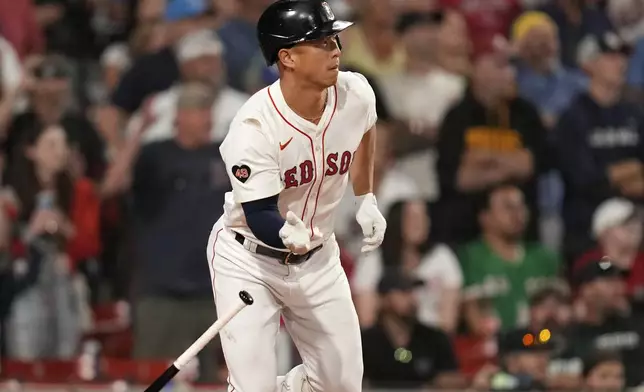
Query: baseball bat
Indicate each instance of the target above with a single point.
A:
(199, 344)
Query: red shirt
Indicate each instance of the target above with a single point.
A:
(474, 353)
(18, 25)
(86, 218)
(485, 18)
(635, 279)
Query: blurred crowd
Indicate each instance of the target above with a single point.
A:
(510, 168)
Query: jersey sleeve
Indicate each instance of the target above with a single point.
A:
(367, 94)
(251, 163)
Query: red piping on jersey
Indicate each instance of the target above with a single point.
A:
(335, 105)
(212, 261)
(312, 150)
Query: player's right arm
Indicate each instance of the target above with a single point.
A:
(252, 164)
(251, 160)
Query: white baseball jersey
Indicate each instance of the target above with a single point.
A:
(270, 150)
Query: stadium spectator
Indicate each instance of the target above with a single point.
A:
(599, 142)
(242, 56)
(373, 45)
(177, 186)
(627, 17)
(476, 343)
(541, 79)
(12, 83)
(119, 56)
(575, 19)
(199, 56)
(550, 308)
(524, 356)
(8, 285)
(423, 91)
(485, 19)
(401, 352)
(501, 262)
(67, 28)
(51, 103)
(20, 26)
(602, 322)
(44, 318)
(154, 72)
(488, 138)
(420, 94)
(550, 86)
(408, 246)
(617, 227)
(454, 45)
(604, 372)
(551, 312)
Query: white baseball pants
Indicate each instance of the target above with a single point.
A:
(315, 301)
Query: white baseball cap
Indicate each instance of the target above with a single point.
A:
(197, 44)
(611, 213)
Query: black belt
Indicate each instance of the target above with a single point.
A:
(286, 258)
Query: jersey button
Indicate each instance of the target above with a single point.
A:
(317, 148)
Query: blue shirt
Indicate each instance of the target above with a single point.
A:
(552, 92)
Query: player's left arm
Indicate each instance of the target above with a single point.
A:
(362, 170)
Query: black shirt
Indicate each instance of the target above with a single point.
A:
(588, 139)
(468, 125)
(428, 354)
(72, 34)
(617, 334)
(150, 74)
(178, 195)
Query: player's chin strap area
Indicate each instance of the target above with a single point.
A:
(286, 258)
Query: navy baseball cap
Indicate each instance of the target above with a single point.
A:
(394, 279)
(184, 9)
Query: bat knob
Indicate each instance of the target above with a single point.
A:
(248, 300)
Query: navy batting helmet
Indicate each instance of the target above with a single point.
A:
(289, 22)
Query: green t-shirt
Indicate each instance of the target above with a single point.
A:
(509, 284)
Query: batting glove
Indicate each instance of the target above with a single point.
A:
(371, 221)
(295, 235)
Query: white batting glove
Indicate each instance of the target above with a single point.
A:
(295, 235)
(372, 222)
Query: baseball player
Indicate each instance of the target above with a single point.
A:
(289, 153)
